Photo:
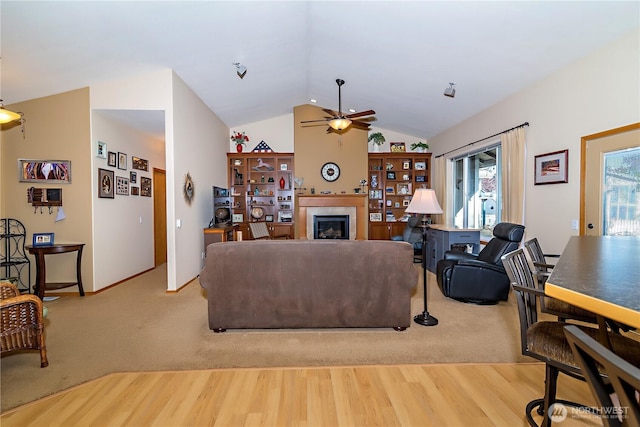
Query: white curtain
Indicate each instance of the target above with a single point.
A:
(440, 186)
(513, 175)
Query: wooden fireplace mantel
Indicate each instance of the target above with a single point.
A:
(359, 201)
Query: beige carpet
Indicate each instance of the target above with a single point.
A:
(137, 326)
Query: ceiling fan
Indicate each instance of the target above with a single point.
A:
(339, 121)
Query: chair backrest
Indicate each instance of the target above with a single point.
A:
(8, 290)
(259, 230)
(506, 238)
(623, 376)
(535, 251)
(517, 267)
(412, 232)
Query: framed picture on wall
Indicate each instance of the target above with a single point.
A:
(106, 185)
(140, 164)
(552, 168)
(122, 186)
(133, 177)
(145, 186)
(44, 171)
(101, 150)
(122, 161)
(135, 191)
(112, 159)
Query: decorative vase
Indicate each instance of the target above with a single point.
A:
(282, 183)
(376, 148)
(239, 148)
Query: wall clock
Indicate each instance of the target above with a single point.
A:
(330, 171)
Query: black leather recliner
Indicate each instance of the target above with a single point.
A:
(480, 278)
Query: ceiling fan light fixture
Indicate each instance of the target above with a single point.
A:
(7, 116)
(339, 123)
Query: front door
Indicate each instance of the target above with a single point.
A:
(610, 161)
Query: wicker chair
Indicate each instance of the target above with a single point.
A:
(21, 322)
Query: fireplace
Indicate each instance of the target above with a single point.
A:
(331, 227)
(351, 205)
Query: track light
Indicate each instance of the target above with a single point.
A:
(450, 91)
(240, 69)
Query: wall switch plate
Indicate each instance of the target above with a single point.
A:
(574, 224)
(179, 223)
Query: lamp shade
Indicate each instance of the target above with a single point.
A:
(424, 201)
(340, 123)
(7, 116)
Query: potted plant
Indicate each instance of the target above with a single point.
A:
(239, 139)
(419, 146)
(378, 139)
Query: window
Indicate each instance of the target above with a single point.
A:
(477, 189)
(621, 182)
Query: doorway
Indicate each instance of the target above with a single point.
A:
(159, 216)
(610, 182)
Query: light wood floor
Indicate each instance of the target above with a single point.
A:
(407, 395)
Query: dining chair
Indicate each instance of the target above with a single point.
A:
(545, 340)
(595, 359)
(21, 322)
(259, 230)
(562, 310)
(539, 259)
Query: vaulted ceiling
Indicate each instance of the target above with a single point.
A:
(396, 57)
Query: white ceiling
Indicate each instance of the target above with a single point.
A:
(396, 57)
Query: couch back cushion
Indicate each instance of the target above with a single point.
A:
(289, 283)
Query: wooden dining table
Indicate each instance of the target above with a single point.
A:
(600, 274)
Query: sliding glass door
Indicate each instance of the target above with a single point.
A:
(476, 190)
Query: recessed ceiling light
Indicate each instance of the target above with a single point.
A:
(351, 110)
(313, 100)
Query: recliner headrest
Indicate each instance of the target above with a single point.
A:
(509, 231)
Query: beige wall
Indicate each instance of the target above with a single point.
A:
(56, 128)
(314, 147)
(123, 225)
(597, 93)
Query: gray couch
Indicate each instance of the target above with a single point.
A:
(309, 284)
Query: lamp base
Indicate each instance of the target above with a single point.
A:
(425, 319)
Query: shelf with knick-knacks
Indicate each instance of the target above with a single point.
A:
(393, 177)
(262, 189)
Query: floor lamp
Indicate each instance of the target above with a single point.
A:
(424, 202)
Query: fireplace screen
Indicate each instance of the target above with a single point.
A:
(331, 227)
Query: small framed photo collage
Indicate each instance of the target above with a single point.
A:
(110, 183)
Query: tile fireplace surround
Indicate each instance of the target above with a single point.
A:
(354, 205)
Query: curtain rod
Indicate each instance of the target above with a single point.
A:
(480, 140)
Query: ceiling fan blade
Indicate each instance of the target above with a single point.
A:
(360, 125)
(314, 121)
(367, 119)
(360, 114)
(330, 112)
